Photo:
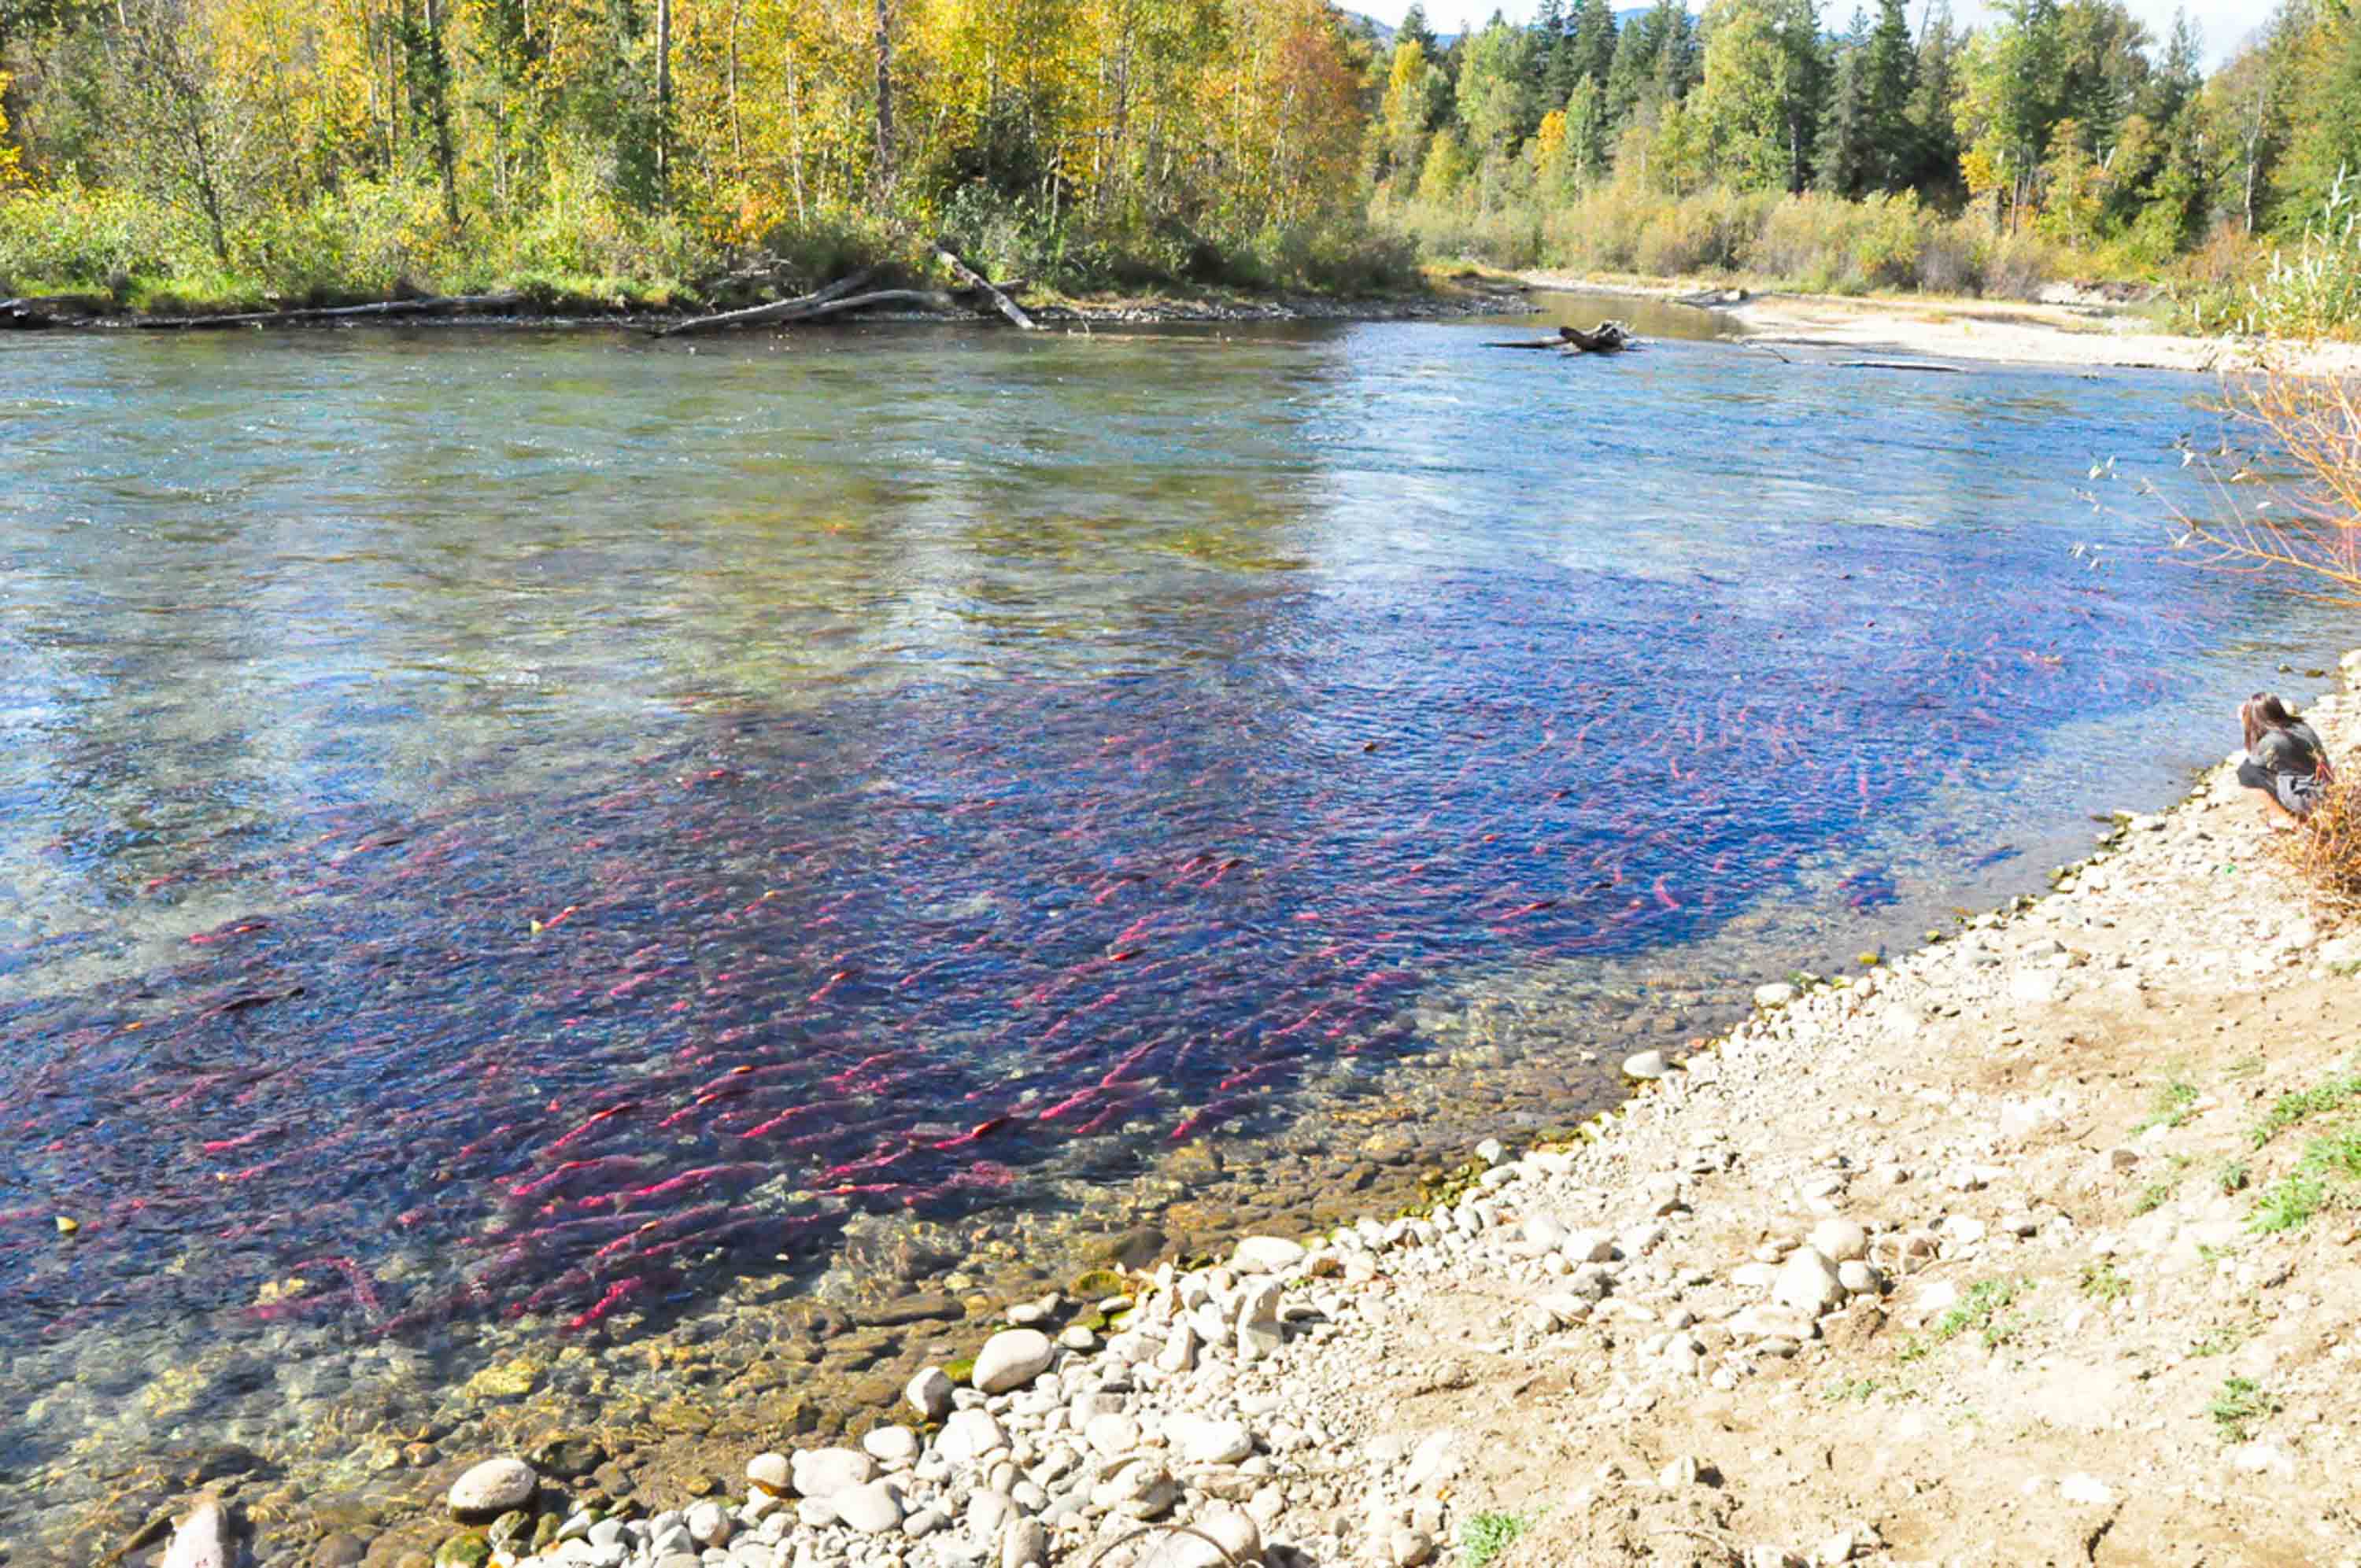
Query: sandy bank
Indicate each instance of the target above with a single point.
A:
(2086, 338)
(2036, 1246)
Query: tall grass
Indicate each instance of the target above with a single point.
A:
(1819, 243)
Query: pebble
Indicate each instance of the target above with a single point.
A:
(1646, 1066)
(1011, 1359)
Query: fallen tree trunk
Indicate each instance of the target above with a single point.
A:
(975, 280)
(1528, 343)
(781, 310)
(1607, 337)
(1936, 367)
(24, 315)
(441, 304)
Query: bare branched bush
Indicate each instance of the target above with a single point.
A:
(2306, 435)
(2326, 851)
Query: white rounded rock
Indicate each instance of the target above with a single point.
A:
(708, 1524)
(1266, 1254)
(1200, 1441)
(1238, 1537)
(1011, 1359)
(1807, 1283)
(929, 1393)
(1840, 1240)
(825, 1471)
(969, 1435)
(1026, 1545)
(872, 1509)
(770, 1473)
(492, 1489)
(1647, 1065)
(890, 1445)
(1111, 1433)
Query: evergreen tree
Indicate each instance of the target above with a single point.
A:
(1592, 50)
(1887, 77)
(1414, 30)
(1933, 112)
(1845, 159)
(1655, 60)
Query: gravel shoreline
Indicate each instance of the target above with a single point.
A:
(2026, 1247)
(1981, 331)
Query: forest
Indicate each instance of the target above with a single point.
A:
(2061, 140)
(646, 152)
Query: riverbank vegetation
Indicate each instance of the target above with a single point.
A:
(163, 153)
(169, 152)
(2061, 140)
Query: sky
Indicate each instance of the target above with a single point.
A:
(2224, 22)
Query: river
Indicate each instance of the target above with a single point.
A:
(526, 846)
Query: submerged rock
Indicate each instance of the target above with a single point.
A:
(203, 1539)
(492, 1489)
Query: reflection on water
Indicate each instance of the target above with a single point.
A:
(508, 833)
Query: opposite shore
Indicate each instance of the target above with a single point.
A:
(2088, 336)
(2036, 1245)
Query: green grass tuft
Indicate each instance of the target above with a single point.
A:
(1486, 1536)
(2174, 1104)
(2102, 1283)
(2289, 1109)
(2240, 1404)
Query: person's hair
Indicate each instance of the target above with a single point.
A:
(2262, 711)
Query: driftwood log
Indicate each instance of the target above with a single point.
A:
(24, 315)
(441, 304)
(1607, 337)
(1933, 367)
(975, 280)
(778, 311)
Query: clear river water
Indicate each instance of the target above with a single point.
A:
(529, 842)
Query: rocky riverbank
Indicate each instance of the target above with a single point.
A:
(2035, 1245)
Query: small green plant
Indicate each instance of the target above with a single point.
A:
(2235, 1177)
(1486, 1536)
(2320, 1099)
(2245, 1067)
(2223, 1341)
(2158, 1193)
(1980, 1309)
(2173, 1105)
(1853, 1392)
(2288, 1203)
(2100, 1282)
(2240, 1404)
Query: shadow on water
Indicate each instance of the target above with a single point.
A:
(511, 838)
